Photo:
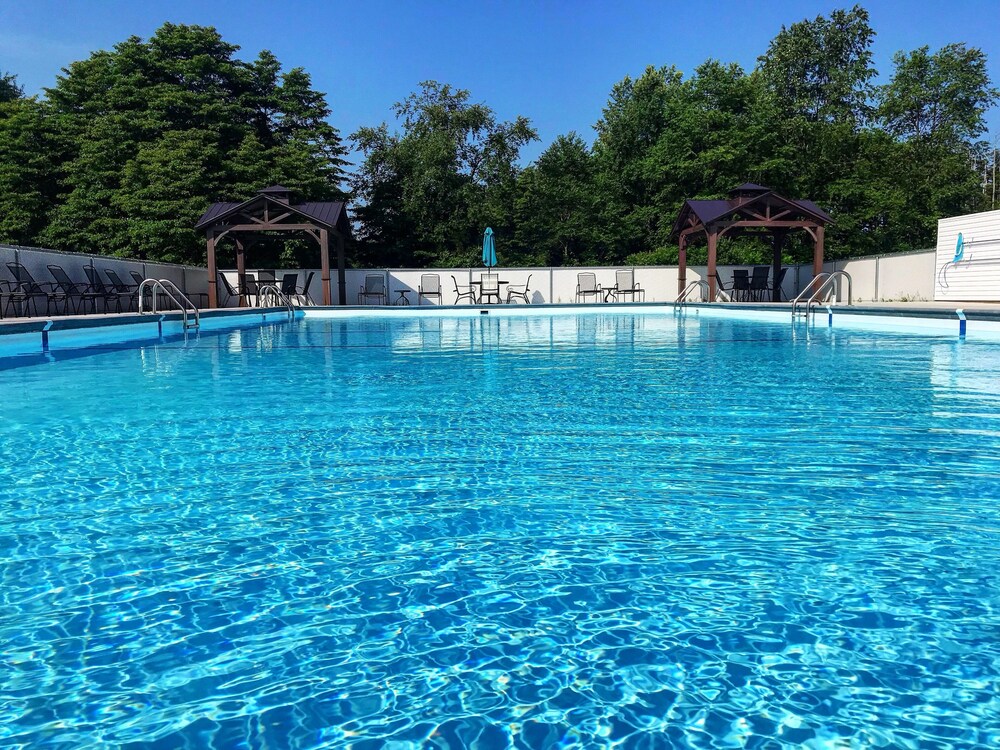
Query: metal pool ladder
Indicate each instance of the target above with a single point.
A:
(271, 292)
(817, 297)
(701, 284)
(176, 296)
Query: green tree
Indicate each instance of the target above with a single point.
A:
(144, 136)
(427, 191)
(935, 108)
(636, 115)
(29, 169)
(9, 89)
(821, 69)
(558, 209)
(942, 96)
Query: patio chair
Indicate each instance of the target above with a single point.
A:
(147, 293)
(776, 286)
(720, 286)
(227, 289)
(303, 292)
(587, 286)
(122, 288)
(758, 282)
(266, 276)
(288, 283)
(430, 286)
(741, 285)
(71, 289)
(102, 291)
(625, 283)
(490, 288)
(464, 292)
(250, 289)
(25, 291)
(374, 286)
(519, 291)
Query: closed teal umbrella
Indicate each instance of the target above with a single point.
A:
(489, 249)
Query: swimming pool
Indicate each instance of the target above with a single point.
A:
(541, 531)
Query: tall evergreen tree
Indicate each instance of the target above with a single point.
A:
(146, 135)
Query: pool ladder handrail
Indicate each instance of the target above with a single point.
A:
(701, 283)
(280, 297)
(165, 286)
(822, 292)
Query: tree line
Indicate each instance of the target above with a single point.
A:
(123, 154)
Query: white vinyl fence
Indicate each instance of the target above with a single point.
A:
(904, 276)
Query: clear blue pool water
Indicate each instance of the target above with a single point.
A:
(595, 531)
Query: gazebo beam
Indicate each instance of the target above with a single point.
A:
(713, 239)
(818, 252)
(341, 269)
(682, 264)
(213, 294)
(241, 273)
(324, 256)
(778, 242)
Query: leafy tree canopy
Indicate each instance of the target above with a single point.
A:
(428, 190)
(137, 141)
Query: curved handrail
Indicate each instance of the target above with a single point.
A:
(823, 290)
(162, 285)
(278, 295)
(698, 283)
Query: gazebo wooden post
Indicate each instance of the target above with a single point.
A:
(241, 272)
(341, 270)
(713, 238)
(777, 243)
(682, 264)
(213, 298)
(324, 252)
(818, 252)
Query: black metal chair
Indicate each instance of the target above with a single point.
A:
(587, 286)
(758, 282)
(288, 282)
(430, 286)
(374, 287)
(123, 289)
(23, 293)
(147, 293)
(303, 291)
(249, 288)
(741, 285)
(519, 291)
(720, 285)
(776, 286)
(71, 289)
(266, 276)
(227, 289)
(465, 291)
(103, 292)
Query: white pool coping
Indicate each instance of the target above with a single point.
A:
(942, 323)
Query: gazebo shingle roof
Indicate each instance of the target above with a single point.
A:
(327, 213)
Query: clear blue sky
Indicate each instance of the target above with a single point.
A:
(554, 62)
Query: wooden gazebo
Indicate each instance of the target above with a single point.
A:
(271, 211)
(749, 209)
